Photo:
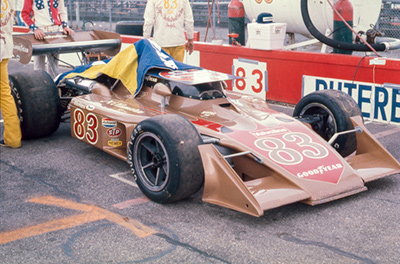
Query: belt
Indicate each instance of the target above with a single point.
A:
(53, 28)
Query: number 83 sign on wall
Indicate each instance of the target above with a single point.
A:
(255, 77)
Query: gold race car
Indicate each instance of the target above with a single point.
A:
(179, 128)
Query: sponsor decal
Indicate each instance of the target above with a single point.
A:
(320, 170)
(206, 114)
(90, 107)
(114, 142)
(193, 76)
(108, 123)
(114, 132)
(378, 102)
(269, 132)
(78, 104)
(56, 36)
(21, 48)
(122, 106)
(150, 78)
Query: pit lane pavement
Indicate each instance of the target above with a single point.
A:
(63, 201)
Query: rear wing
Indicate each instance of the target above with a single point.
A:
(26, 46)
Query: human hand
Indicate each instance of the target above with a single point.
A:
(189, 46)
(68, 31)
(39, 34)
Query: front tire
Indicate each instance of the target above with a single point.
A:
(37, 102)
(335, 108)
(164, 157)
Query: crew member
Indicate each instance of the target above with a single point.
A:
(170, 18)
(12, 129)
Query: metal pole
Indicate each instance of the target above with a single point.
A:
(77, 15)
(70, 12)
(110, 14)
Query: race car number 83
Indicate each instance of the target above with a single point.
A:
(301, 146)
(86, 126)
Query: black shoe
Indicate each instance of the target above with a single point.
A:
(2, 143)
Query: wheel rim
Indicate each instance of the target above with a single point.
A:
(151, 161)
(327, 127)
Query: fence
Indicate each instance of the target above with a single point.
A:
(389, 21)
(83, 12)
(112, 11)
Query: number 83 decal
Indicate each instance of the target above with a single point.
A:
(86, 126)
(292, 148)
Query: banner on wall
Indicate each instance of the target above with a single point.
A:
(378, 102)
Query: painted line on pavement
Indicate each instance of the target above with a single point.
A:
(92, 213)
(119, 176)
(387, 132)
(133, 202)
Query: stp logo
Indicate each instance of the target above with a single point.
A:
(114, 132)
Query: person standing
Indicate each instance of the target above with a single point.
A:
(12, 128)
(170, 18)
(46, 16)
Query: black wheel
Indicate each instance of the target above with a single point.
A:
(37, 102)
(130, 28)
(164, 158)
(333, 110)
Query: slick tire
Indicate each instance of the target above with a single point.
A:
(37, 102)
(130, 28)
(335, 109)
(164, 157)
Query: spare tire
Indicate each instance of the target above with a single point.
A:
(130, 28)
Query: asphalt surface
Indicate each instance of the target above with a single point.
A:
(63, 201)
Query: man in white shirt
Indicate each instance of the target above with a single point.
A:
(12, 128)
(170, 18)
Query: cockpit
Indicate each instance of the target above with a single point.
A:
(203, 91)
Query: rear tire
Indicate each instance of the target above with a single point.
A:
(37, 102)
(335, 109)
(164, 157)
(130, 28)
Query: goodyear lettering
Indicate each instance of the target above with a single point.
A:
(376, 101)
(320, 170)
(21, 48)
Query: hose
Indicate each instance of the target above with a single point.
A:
(391, 43)
(330, 42)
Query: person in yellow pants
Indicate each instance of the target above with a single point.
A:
(169, 19)
(12, 128)
(178, 53)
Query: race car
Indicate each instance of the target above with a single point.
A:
(180, 129)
